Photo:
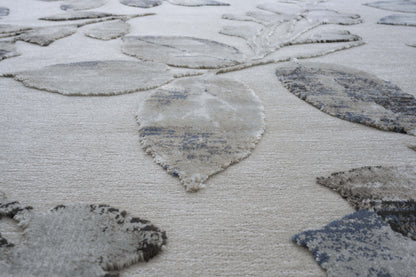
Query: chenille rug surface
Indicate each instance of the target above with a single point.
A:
(207, 138)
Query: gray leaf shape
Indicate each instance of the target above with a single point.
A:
(197, 3)
(109, 30)
(360, 244)
(197, 127)
(7, 50)
(351, 95)
(406, 6)
(7, 30)
(399, 19)
(96, 77)
(78, 240)
(141, 3)
(44, 36)
(76, 15)
(181, 51)
(321, 35)
(77, 5)
(389, 191)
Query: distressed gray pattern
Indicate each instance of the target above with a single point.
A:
(96, 77)
(406, 6)
(351, 95)
(399, 19)
(78, 240)
(182, 51)
(197, 127)
(109, 30)
(389, 191)
(360, 244)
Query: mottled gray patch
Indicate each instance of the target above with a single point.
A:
(360, 244)
(4, 11)
(76, 5)
(109, 30)
(182, 51)
(351, 95)
(389, 191)
(141, 3)
(97, 77)
(68, 16)
(7, 50)
(197, 3)
(197, 127)
(76, 240)
(406, 6)
(399, 19)
(44, 36)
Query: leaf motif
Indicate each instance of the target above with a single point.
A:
(197, 127)
(77, 240)
(7, 30)
(351, 95)
(109, 30)
(325, 35)
(389, 191)
(76, 15)
(406, 6)
(77, 5)
(360, 244)
(141, 3)
(182, 51)
(197, 3)
(399, 19)
(44, 36)
(289, 26)
(97, 77)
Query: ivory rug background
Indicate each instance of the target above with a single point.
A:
(56, 149)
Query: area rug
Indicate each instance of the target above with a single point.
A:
(213, 120)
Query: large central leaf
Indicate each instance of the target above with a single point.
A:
(197, 127)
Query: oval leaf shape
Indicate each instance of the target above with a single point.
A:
(109, 30)
(406, 6)
(97, 77)
(197, 3)
(389, 191)
(77, 5)
(399, 19)
(182, 51)
(197, 127)
(360, 244)
(141, 3)
(77, 240)
(351, 95)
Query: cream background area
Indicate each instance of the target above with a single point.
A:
(56, 149)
